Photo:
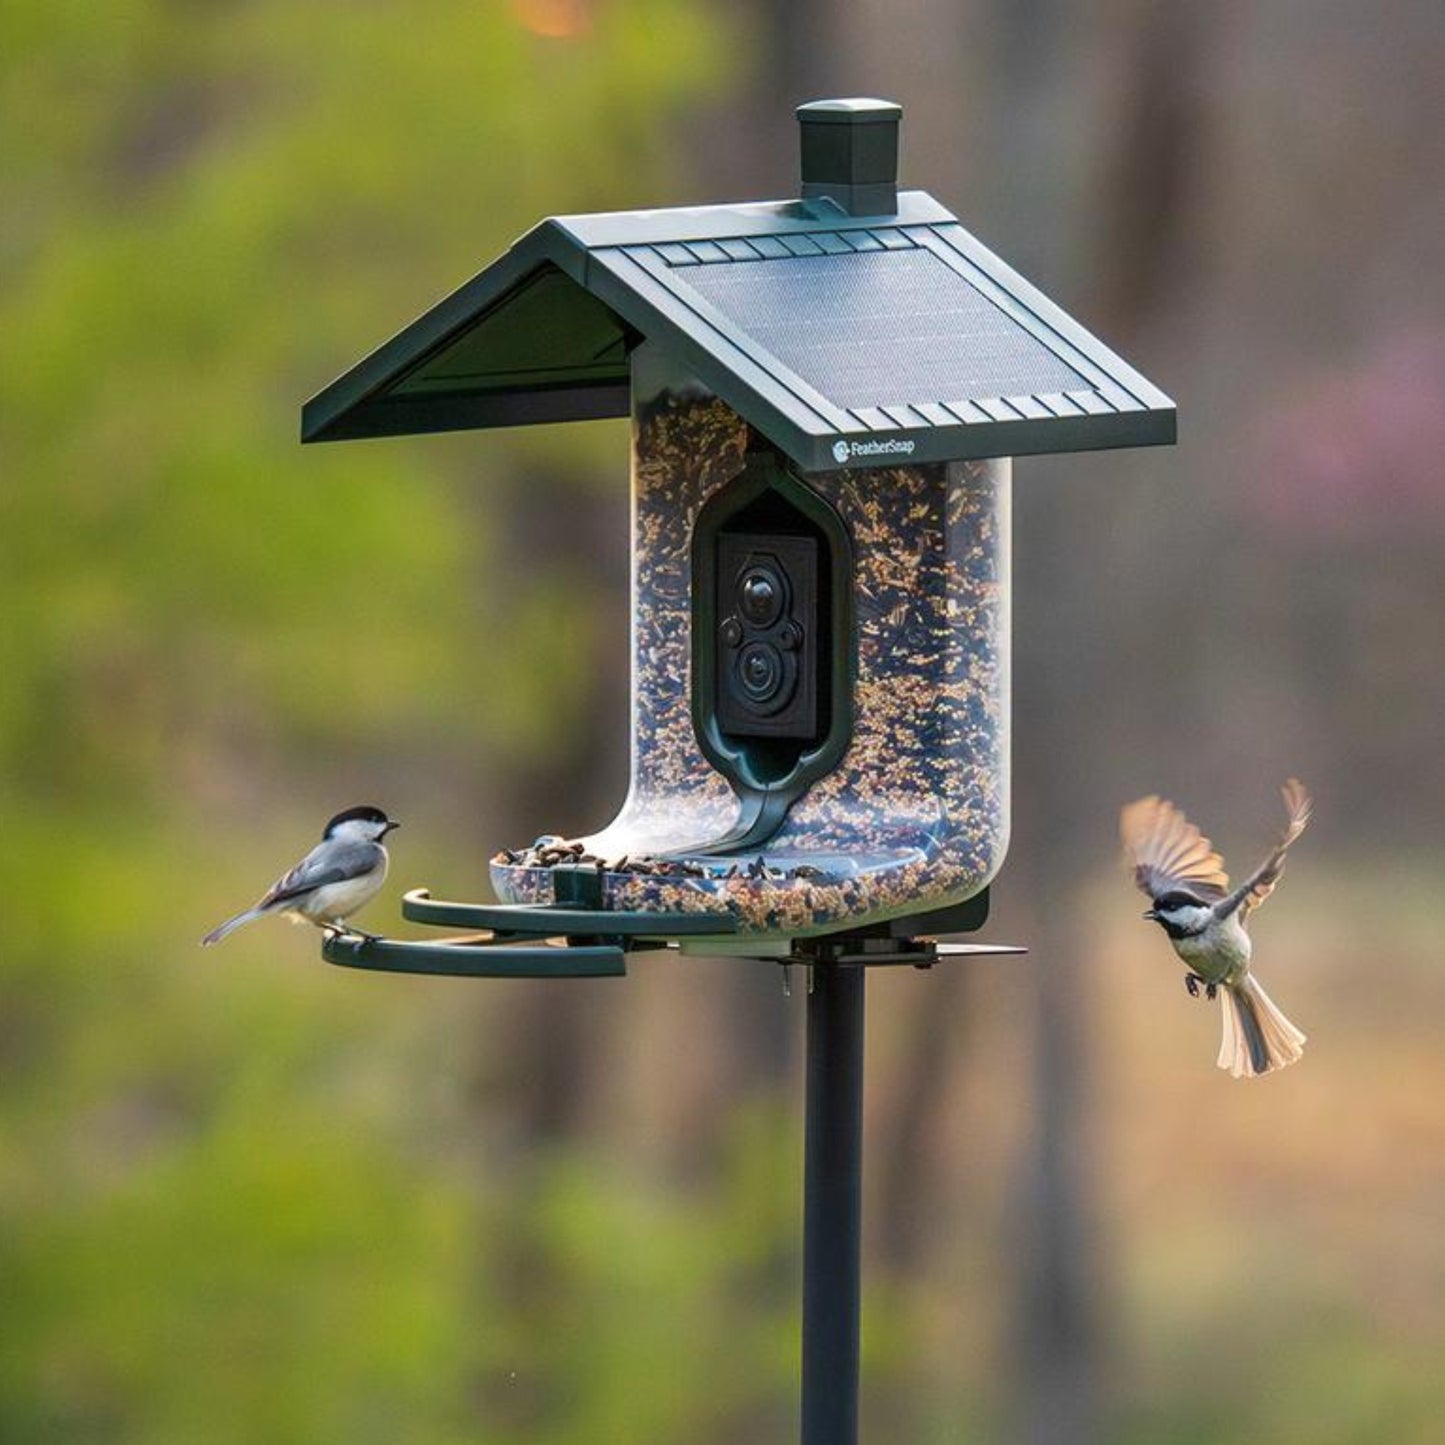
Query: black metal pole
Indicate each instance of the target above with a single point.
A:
(832, 1205)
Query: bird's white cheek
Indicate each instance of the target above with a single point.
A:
(1192, 918)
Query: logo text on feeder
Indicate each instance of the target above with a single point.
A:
(845, 451)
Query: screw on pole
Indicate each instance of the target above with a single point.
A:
(832, 1204)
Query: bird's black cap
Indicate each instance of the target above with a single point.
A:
(363, 813)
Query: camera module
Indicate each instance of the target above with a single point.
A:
(761, 673)
(761, 596)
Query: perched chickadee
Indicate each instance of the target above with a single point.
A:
(1176, 865)
(340, 875)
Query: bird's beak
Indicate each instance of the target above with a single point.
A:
(1152, 916)
(390, 824)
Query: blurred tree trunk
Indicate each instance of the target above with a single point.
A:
(1152, 167)
(1060, 1314)
(905, 1165)
(1054, 1317)
(548, 1051)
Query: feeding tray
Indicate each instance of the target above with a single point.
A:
(569, 938)
(475, 956)
(575, 938)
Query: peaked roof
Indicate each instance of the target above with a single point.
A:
(846, 340)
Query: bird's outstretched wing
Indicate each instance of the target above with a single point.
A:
(1169, 853)
(1260, 884)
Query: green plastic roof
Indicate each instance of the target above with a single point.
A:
(846, 340)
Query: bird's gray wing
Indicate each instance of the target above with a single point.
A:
(326, 863)
(1260, 884)
(1169, 853)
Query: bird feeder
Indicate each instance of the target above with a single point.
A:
(825, 395)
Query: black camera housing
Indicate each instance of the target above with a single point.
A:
(774, 647)
(767, 636)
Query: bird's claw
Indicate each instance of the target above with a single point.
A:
(336, 931)
(1192, 982)
(1210, 991)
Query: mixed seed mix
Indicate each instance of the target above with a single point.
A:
(915, 816)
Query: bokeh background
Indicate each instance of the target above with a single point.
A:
(245, 1197)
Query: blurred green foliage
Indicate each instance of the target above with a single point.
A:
(208, 210)
(216, 1219)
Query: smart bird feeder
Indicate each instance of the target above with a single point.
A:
(825, 395)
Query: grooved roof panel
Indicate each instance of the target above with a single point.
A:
(881, 327)
(840, 338)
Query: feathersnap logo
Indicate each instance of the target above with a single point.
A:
(877, 447)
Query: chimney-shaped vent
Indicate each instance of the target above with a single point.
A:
(850, 154)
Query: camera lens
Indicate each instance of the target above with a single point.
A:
(761, 596)
(760, 671)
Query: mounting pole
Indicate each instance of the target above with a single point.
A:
(832, 1204)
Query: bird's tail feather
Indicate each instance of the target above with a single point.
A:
(1257, 1036)
(230, 926)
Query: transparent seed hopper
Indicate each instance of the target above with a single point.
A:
(872, 605)
(825, 394)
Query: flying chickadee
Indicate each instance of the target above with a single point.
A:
(340, 875)
(1176, 865)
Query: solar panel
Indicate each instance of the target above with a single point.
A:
(880, 328)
